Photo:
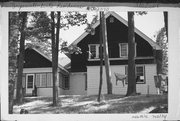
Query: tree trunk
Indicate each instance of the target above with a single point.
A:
(12, 63)
(166, 22)
(55, 51)
(107, 64)
(11, 95)
(12, 77)
(56, 56)
(131, 55)
(19, 94)
(101, 59)
(54, 65)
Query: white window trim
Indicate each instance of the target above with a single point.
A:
(127, 50)
(120, 50)
(27, 80)
(143, 74)
(144, 82)
(97, 51)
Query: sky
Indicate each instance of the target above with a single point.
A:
(149, 24)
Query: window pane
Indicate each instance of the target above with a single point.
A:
(49, 79)
(43, 80)
(38, 80)
(93, 51)
(66, 82)
(140, 73)
(123, 49)
(30, 82)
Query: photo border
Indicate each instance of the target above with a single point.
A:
(174, 59)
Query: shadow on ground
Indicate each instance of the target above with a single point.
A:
(88, 104)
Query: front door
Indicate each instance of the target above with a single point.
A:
(29, 83)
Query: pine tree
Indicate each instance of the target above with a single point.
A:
(131, 56)
(106, 55)
(19, 91)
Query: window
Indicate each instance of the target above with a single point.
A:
(111, 20)
(43, 79)
(30, 81)
(123, 49)
(93, 51)
(65, 82)
(140, 74)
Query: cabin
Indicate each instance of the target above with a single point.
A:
(85, 67)
(37, 74)
(81, 75)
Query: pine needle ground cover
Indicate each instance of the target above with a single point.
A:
(74, 104)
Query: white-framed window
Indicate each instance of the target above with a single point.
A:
(140, 74)
(93, 51)
(43, 79)
(30, 81)
(123, 50)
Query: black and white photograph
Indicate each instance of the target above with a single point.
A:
(80, 61)
(110, 66)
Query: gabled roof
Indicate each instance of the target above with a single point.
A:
(41, 53)
(149, 40)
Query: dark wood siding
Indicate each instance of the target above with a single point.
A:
(117, 33)
(35, 60)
